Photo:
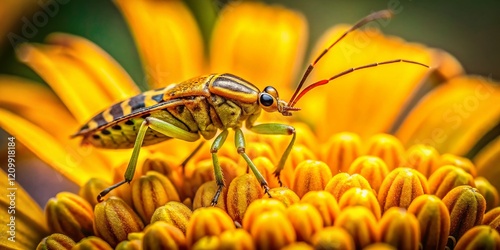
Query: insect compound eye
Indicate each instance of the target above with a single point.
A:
(271, 90)
(266, 99)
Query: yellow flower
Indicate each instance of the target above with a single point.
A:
(466, 207)
(173, 54)
(434, 220)
(28, 225)
(368, 119)
(400, 228)
(479, 237)
(360, 223)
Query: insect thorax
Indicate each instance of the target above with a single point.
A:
(232, 113)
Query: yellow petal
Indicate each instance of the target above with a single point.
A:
(78, 164)
(368, 101)
(101, 81)
(86, 84)
(108, 74)
(18, 95)
(449, 66)
(76, 87)
(453, 117)
(61, 124)
(487, 162)
(21, 217)
(168, 39)
(266, 50)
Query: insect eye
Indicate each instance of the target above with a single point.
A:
(271, 90)
(266, 100)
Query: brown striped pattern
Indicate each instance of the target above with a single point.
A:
(233, 87)
(119, 110)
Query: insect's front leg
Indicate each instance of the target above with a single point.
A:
(157, 125)
(276, 129)
(240, 145)
(219, 179)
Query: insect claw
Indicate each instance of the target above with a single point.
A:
(109, 189)
(216, 196)
(277, 175)
(101, 195)
(266, 190)
(287, 109)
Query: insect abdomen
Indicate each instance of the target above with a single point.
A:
(142, 103)
(122, 135)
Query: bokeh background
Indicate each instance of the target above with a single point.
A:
(468, 30)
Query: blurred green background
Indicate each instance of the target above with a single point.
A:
(468, 30)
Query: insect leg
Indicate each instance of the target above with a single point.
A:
(219, 179)
(239, 140)
(277, 129)
(157, 125)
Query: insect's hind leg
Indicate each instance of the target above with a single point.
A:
(157, 125)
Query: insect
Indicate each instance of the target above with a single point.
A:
(200, 107)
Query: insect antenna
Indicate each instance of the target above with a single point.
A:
(383, 14)
(325, 81)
